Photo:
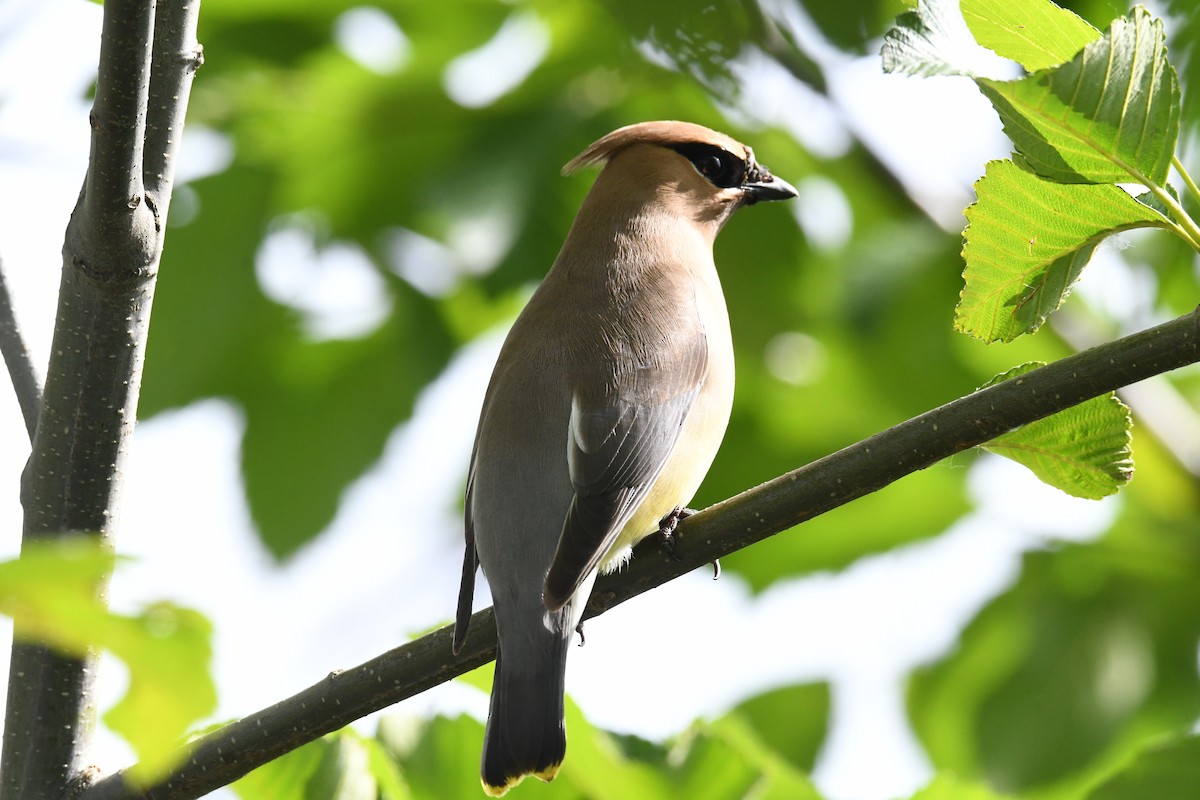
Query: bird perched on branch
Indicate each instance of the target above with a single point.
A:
(605, 409)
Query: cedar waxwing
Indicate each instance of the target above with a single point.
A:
(605, 409)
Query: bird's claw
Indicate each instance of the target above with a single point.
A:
(667, 526)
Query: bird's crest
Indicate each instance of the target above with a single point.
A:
(665, 132)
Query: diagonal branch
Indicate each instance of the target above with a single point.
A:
(16, 357)
(230, 752)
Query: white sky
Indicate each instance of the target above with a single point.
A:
(344, 599)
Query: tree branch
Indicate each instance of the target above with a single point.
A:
(113, 185)
(16, 357)
(73, 478)
(227, 754)
(176, 57)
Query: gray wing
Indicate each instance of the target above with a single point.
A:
(466, 589)
(622, 431)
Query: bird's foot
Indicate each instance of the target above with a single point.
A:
(666, 531)
(579, 630)
(667, 526)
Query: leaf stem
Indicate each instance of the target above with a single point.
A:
(1185, 225)
(1187, 179)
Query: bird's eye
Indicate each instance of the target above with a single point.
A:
(722, 169)
(710, 166)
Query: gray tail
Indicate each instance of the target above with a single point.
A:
(525, 730)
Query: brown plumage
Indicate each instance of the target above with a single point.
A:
(605, 409)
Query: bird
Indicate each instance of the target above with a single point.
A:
(605, 409)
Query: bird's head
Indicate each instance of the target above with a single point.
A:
(690, 169)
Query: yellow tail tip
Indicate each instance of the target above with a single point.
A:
(546, 775)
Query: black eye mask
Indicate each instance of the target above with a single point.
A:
(722, 169)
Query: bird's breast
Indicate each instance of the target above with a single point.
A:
(703, 427)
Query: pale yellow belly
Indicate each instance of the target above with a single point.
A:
(699, 439)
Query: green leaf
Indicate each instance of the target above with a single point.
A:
(318, 414)
(1067, 673)
(167, 651)
(51, 592)
(947, 786)
(1109, 115)
(1084, 450)
(344, 772)
(791, 721)
(1037, 34)
(738, 749)
(1028, 240)
(341, 766)
(1166, 771)
(933, 40)
(596, 766)
(285, 778)
(386, 772)
(441, 757)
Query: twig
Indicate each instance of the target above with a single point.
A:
(225, 755)
(16, 357)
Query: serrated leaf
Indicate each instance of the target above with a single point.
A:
(1109, 115)
(1026, 242)
(1084, 450)
(1151, 200)
(1037, 34)
(933, 40)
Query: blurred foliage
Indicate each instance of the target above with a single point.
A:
(762, 748)
(1054, 689)
(53, 588)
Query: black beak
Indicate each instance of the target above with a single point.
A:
(762, 185)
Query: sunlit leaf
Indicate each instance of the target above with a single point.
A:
(52, 593)
(933, 40)
(167, 651)
(1110, 114)
(947, 786)
(1084, 451)
(1027, 241)
(1037, 34)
